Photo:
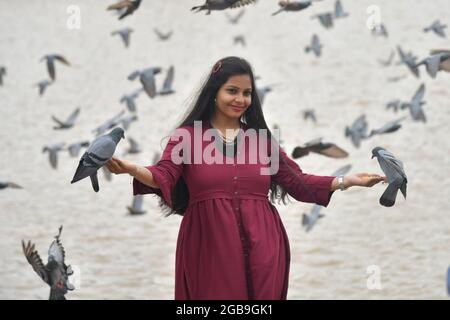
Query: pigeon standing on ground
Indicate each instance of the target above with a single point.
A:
(434, 63)
(124, 33)
(395, 174)
(136, 207)
(389, 127)
(55, 273)
(163, 36)
(129, 100)
(2, 74)
(168, 81)
(315, 46)
(437, 27)
(74, 148)
(125, 7)
(221, 5)
(357, 131)
(9, 184)
(147, 78)
(53, 153)
(69, 122)
(96, 156)
(317, 146)
(292, 6)
(43, 86)
(50, 58)
(415, 105)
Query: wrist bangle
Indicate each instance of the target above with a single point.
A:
(341, 182)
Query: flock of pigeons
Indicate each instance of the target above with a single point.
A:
(55, 273)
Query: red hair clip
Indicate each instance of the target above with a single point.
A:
(217, 67)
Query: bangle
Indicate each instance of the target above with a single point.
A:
(341, 182)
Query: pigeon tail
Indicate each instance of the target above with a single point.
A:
(388, 197)
(403, 188)
(83, 172)
(94, 182)
(56, 295)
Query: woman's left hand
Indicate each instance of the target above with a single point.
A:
(363, 180)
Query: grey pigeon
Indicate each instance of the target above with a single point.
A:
(74, 148)
(357, 131)
(9, 184)
(124, 33)
(220, 5)
(315, 46)
(163, 36)
(43, 86)
(389, 127)
(317, 146)
(380, 30)
(128, 99)
(134, 147)
(97, 155)
(53, 153)
(394, 104)
(396, 78)
(236, 18)
(126, 7)
(69, 122)
(437, 27)
(168, 82)
(147, 78)
(240, 39)
(55, 273)
(325, 19)
(342, 171)
(339, 10)
(310, 114)
(114, 121)
(2, 74)
(136, 207)
(50, 59)
(435, 62)
(409, 60)
(309, 220)
(125, 121)
(292, 6)
(388, 62)
(415, 105)
(395, 174)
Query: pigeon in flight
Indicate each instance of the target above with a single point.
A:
(128, 99)
(2, 74)
(415, 105)
(221, 5)
(388, 62)
(389, 127)
(50, 58)
(147, 78)
(69, 122)
(437, 27)
(97, 155)
(339, 10)
(236, 18)
(167, 85)
(55, 273)
(74, 148)
(53, 153)
(394, 104)
(315, 46)
(108, 124)
(309, 220)
(409, 60)
(342, 171)
(357, 131)
(395, 174)
(124, 33)
(292, 6)
(310, 114)
(239, 40)
(436, 62)
(163, 36)
(125, 121)
(9, 184)
(43, 86)
(134, 147)
(380, 30)
(125, 7)
(136, 207)
(317, 146)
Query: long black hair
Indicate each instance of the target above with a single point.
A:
(203, 108)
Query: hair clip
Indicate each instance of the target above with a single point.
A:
(217, 67)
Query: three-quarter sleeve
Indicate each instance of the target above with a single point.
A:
(166, 173)
(301, 186)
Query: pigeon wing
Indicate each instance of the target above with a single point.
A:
(56, 251)
(35, 260)
(167, 86)
(71, 120)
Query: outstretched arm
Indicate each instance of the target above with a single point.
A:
(142, 174)
(360, 179)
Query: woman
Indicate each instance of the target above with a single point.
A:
(231, 243)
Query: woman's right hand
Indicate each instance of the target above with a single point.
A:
(118, 166)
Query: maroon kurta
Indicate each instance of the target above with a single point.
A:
(232, 243)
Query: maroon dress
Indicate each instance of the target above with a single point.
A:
(232, 243)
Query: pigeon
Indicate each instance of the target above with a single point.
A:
(127, 6)
(136, 207)
(310, 114)
(53, 153)
(2, 74)
(325, 19)
(69, 122)
(97, 155)
(389, 127)
(239, 40)
(236, 18)
(221, 5)
(74, 148)
(394, 104)
(163, 36)
(409, 60)
(437, 27)
(50, 58)
(309, 220)
(125, 121)
(315, 46)
(292, 6)
(339, 10)
(129, 100)
(134, 147)
(395, 174)
(167, 85)
(448, 281)
(396, 78)
(388, 62)
(415, 105)
(357, 131)
(147, 78)
(9, 184)
(55, 273)
(108, 124)
(43, 86)
(434, 63)
(342, 171)
(124, 33)
(380, 30)
(445, 64)
(317, 146)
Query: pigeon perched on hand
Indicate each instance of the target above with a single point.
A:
(125, 7)
(221, 5)
(147, 78)
(55, 273)
(97, 155)
(69, 122)
(50, 58)
(395, 174)
(317, 146)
